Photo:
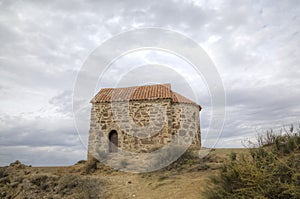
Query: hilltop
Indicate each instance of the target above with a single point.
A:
(185, 178)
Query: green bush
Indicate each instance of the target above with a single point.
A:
(268, 172)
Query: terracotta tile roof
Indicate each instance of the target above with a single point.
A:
(158, 91)
(176, 97)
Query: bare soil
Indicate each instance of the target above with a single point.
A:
(186, 178)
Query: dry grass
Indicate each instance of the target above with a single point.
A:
(270, 170)
(186, 178)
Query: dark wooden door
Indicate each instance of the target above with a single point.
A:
(113, 141)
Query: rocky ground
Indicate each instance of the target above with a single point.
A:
(186, 178)
(21, 181)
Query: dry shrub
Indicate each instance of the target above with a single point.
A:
(91, 165)
(269, 172)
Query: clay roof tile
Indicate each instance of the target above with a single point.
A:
(158, 91)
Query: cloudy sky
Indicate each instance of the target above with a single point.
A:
(253, 44)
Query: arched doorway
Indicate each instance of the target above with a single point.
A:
(113, 141)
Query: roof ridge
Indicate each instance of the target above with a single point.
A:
(135, 93)
(165, 84)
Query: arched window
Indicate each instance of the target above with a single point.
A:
(113, 141)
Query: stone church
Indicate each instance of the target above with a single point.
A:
(141, 119)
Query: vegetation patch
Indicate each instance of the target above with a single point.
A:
(271, 170)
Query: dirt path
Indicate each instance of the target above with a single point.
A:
(158, 185)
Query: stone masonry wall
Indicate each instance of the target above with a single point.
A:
(186, 122)
(142, 126)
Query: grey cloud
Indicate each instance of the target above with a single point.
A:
(54, 136)
(41, 156)
(63, 102)
(17, 130)
(43, 45)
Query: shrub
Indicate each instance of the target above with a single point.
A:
(39, 179)
(268, 172)
(233, 156)
(91, 165)
(81, 162)
(202, 165)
